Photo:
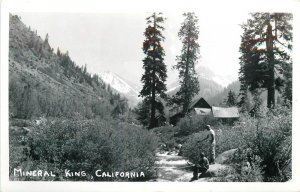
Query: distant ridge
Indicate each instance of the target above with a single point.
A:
(124, 87)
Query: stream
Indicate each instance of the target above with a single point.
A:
(171, 167)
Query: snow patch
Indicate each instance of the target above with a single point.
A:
(116, 82)
(124, 87)
(221, 81)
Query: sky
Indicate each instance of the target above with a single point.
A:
(113, 41)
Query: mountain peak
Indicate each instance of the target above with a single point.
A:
(121, 85)
(208, 74)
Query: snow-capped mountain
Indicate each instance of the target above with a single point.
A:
(210, 83)
(224, 82)
(207, 75)
(124, 87)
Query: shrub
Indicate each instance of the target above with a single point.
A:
(229, 138)
(194, 123)
(166, 136)
(226, 138)
(270, 137)
(239, 169)
(192, 147)
(90, 145)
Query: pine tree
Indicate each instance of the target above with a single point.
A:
(58, 53)
(256, 109)
(85, 70)
(189, 85)
(120, 108)
(47, 39)
(31, 43)
(142, 112)
(231, 99)
(265, 49)
(155, 73)
(244, 102)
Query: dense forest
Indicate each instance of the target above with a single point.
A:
(62, 117)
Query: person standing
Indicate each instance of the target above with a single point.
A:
(212, 143)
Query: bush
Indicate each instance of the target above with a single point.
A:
(194, 123)
(192, 130)
(166, 136)
(192, 148)
(270, 137)
(239, 169)
(90, 145)
(226, 137)
(169, 137)
(229, 138)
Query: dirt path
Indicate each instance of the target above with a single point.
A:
(175, 168)
(172, 168)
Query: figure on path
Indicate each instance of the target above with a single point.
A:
(201, 167)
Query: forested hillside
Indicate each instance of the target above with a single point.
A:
(44, 82)
(208, 88)
(218, 98)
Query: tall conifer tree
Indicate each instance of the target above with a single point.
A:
(265, 48)
(231, 99)
(189, 85)
(155, 71)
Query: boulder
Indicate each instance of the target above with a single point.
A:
(213, 171)
(208, 173)
(223, 157)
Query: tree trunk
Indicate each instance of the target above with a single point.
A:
(186, 101)
(271, 91)
(271, 78)
(153, 106)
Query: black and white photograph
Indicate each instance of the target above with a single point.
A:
(195, 96)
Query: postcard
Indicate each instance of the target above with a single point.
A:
(149, 95)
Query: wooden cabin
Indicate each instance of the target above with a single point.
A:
(203, 108)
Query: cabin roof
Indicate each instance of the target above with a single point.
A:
(202, 111)
(229, 112)
(200, 103)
